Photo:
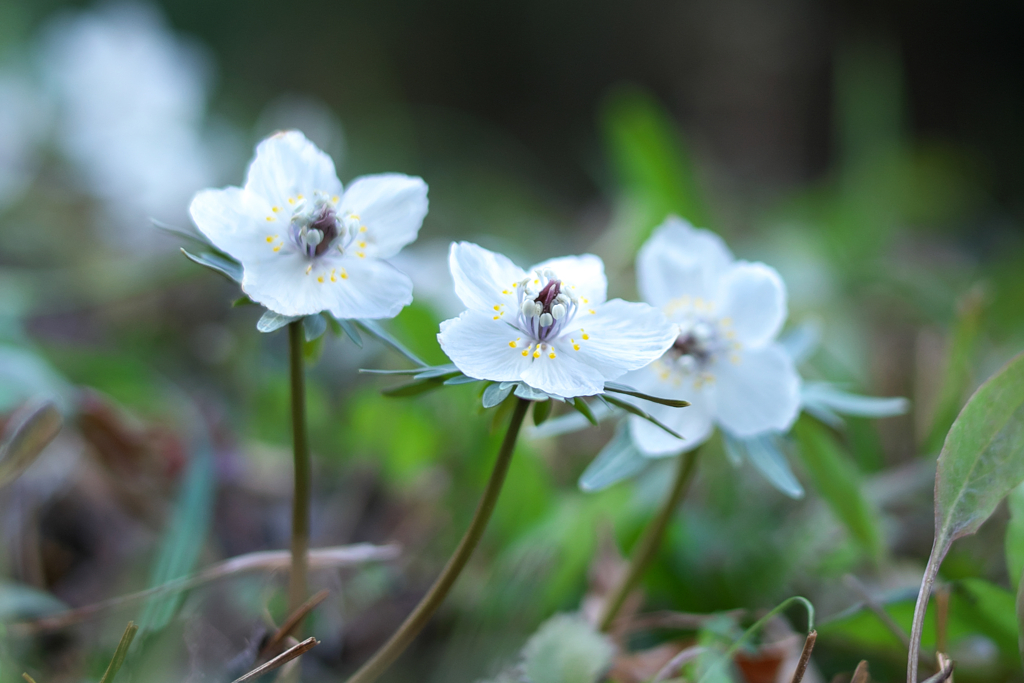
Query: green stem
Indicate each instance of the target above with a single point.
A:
(647, 546)
(415, 622)
(300, 503)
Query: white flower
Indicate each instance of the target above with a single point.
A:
(549, 327)
(131, 99)
(304, 245)
(725, 361)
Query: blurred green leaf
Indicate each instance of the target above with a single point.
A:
(272, 321)
(18, 601)
(541, 412)
(617, 461)
(120, 653)
(314, 326)
(567, 649)
(959, 362)
(639, 412)
(350, 330)
(29, 431)
(185, 535)
(382, 335)
(838, 481)
(218, 263)
(617, 388)
(1015, 534)
(496, 393)
(650, 160)
(765, 453)
(581, 405)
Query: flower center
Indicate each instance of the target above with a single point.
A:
(316, 227)
(545, 306)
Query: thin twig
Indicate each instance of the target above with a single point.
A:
(292, 622)
(860, 674)
(28, 679)
(943, 675)
(854, 584)
(280, 660)
(677, 662)
(267, 560)
(805, 657)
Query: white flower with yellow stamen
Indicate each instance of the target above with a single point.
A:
(725, 360)
(305, 245)
(549, 327)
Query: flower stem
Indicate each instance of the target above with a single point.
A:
(647, 546)
(300, 502)
(415, 622)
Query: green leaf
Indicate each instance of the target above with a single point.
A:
(314, 326)
(18, 601)
(351, 331)
(185, 535)
(374, 328)
(567, 649)
(1019, 604)
(120, 653)
(496, 393)
(28, 432)
(271, 321)
(460, 379)
(838, 481)
(242, 301)
(541, 412)
(959, 360)
(630, 391)
(979, 465)
(525, 391)
(650, 160)
(438, 371)
(765, 453)
(581, 405)
(826, 402)
(617, 461)
(221, 264)
(630, 408)
(414, 388)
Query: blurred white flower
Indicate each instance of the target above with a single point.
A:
(23, 117)
(549, 327)
(726, 360)
(132, 98)
(304, 245)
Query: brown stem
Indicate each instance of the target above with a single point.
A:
(300, 502)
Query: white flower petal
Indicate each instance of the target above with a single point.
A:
(563, 375)
(348, 287)
(288, 165)
(235, 221)
(480, 347)
(680, 260)
(484, 279)
(694, 422)
(391, 206)
(755, 391)
(618, 337)
(753, 299)
(583, 276)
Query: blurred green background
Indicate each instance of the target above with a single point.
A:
(869, 151)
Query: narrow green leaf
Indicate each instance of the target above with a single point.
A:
(630, 391)
(351, 331)
(630, 408)
(414, 388)
(120, 653)
(837, 480)
(314, 326)
(374, 328)
(438, 371)
(221, 264)
(496, 393)
(617, 461)
(1019, 603)
(185, 534)
(28, 432)
(524, 390)
(959, 360)
(242, 301)
(765, 453)
(271, 321)
(190, 234)
(541, 412)
(581, 405)
(460, 379)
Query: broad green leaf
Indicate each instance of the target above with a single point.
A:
(29, 431)
(838, 481)
(957, 377)
(980, 463)
(617, 461)
(584, 409)
(221, 264)
(351, 331)
(541, 412)
(765, 453)
(525, 391)
(271, 321)
(314, 326)
(185, 535)
(460, 379)
(567, 649)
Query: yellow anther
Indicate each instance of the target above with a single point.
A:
(354, 215)
(309, 268)
(551, 355)
(362, 245)
(497, 317)
(320, 278)
(592, 312)
(344, 274)
(514, 285)
(275, 209)
(269, 238)
(277, 248)
(497, 307)
(270, 219)
(586, 337)
(526, 352)
(334, 199)
(291, 200)
(299, 197)
(536, 354)
(360, 254)
(505, 291)
(512, 345)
